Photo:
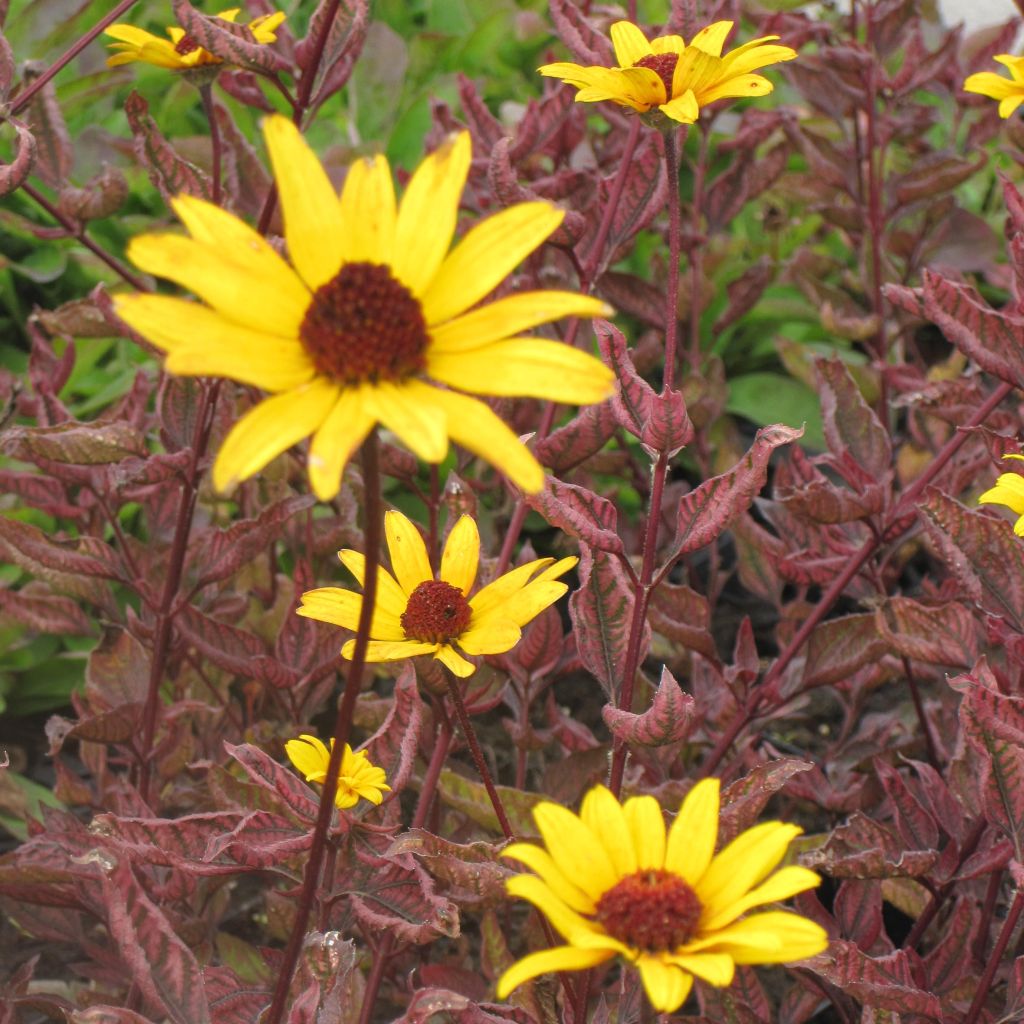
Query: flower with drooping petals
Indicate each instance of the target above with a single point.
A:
(418, 613)
(677, 78)
(357, 776)
(613, 883)
(373, 325)
(182, 52)
(1008, 491)
(1009, 91)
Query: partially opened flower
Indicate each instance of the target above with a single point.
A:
(614, 884)
(373, 324)
(357, 777)
(677, 78)
(1009, 91)
(1008, 491)
(182, 51)
(417, 613)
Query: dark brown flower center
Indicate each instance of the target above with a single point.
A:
(651, 910)
(186, 45)
(663, 65)
(363, 325)
(436, 613)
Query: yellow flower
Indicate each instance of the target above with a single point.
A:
(182, 52)
(418, 614)
(357, 777)
(1008, 491)
(373, 314)
(1009, 91)
(611, 882)
(666, 73)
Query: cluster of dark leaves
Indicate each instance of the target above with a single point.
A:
(834, 633)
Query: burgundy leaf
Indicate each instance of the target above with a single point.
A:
(671, 717)
(6, 67)
(80, 444)
(683, 616)
(858, 909)
(586, 44)
(838, 647)
(283, 782)
(933, 174)
(944, 634)
(12, 175)
(744, 292)
(45, 612)
(851, 425)
(917, 826)
(580, 513)
(744, 180)
(234, 44)
(471, 872)
(54, 153)
(102, 195)
(485, 128)
(744, 800)
(863, 848)
(115, 726)
(393, 747)
(583, 436)
(344, 44)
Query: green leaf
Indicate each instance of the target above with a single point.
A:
(774, 398)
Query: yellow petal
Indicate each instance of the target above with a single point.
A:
(493, 638)
(308, 754)
(748, 859)
(630, 43)
(539, 860)
(710, 40)
(685, 109)
(428, 212)
(692, 837)
(270, 428)
(342, 607)
(532, 600)
(668, 44)
(575, 848)
(1010, 104)
(738, 86)
(549, 961)
(312, 215)
(454, 662)
(390, 595)
(665, 984)
(409, 411)
(785, 882)
(486, 256)
(639, 88)
(714, 968)
(494, 596)
(509, 316)
(755, 54)
(461, 555)
(205, 343)
(774, 937)
(603, 813)
(389, 650)
(368, 211)
(408, 553)
(126, 33)
(987, 83)
(252, 286)
(341, 433)
(563, 919)
(1008, 491)
(647, 826)
(532, 367)
(474, 426)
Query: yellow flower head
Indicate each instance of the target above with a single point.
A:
(182, 52)
(611, 882)
(666, 73)
(1009, 91)
(370, 321)
(418, 614)
(1008, 491)
(357, 777)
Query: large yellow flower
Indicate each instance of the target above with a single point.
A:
(418, 614)
(374, 313)
(1008, 491)
(357, 776)
(676, 78)
(1009, 91)
(612, 883)
(182, 52)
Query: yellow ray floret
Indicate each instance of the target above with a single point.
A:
(1009, 91)
(357, 776)
(1008, 491)
(613, 882)
(180, 52)
(372, 320)
(667, 74)
(417, 613)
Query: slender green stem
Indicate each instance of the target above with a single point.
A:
(342, 729)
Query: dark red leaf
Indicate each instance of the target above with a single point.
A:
(671, 717)
(283, 782)
(234, 44)
(838, 647)
(851, 425)
(579, 512)
(585, 43)
(13, 174)
(344, 44)
(583, 436)
(393, 747)
(54, 153)
(744, 800)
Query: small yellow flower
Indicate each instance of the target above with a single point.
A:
(1009, 91)
(611, 882)
(182, 52)
(374, 317)
(357, 777)
(666, 73)
(418, 614)
(1008, 491)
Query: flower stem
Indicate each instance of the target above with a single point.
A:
(206, 92)
(342, 729)
(643, 587)
(172, 583)
(478, 758)
(922, 718)
(442, 744)
(696, 252)
(985, 984)
(23, 99)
